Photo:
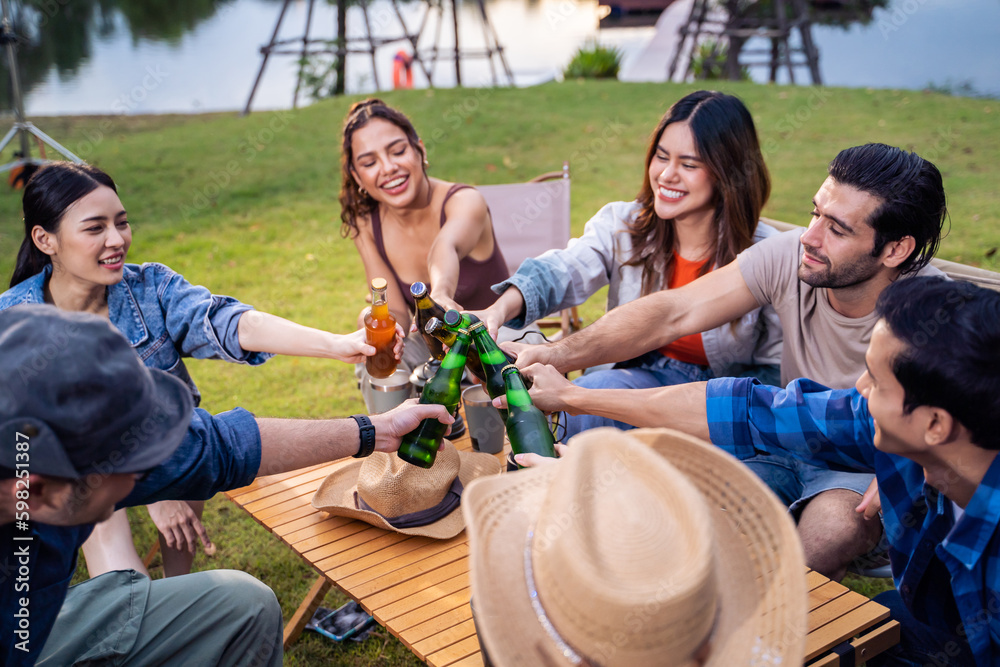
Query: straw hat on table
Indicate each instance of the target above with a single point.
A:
(647, 547)
(390, 493)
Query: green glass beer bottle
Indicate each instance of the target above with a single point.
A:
(527, 428)
(493, 360)
(420, 445)
(439, 331)
(469, 322)
(426, 309)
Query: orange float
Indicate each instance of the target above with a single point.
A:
(402, 72)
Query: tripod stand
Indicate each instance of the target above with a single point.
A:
(21, 126)
(305, 46)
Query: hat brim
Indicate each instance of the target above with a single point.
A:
(761, 568)
(154, 440)
(336, 496)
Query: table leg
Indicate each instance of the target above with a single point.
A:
(305, 611)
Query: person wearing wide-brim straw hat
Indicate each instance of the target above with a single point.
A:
(390, 493)
(642, 548)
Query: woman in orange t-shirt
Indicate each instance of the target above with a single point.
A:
(703, 189)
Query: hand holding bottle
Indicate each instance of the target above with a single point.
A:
(530, 460)
(353, 348)
(550, 390)
(527, 428)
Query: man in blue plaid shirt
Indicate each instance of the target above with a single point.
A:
(924, 417)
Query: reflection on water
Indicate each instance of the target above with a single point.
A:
(147, 56)
(59, 36)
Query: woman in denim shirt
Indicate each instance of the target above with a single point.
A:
(702, 192)
(77, 238)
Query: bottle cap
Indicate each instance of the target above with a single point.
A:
(379, 283)
(477, 325)
(452, 318)
(418, 290)
(507, 368)
(433, 325)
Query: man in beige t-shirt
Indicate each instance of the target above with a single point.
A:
(877, 217)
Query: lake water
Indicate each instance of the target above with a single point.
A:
(209, 63)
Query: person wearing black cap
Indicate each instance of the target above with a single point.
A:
(85, 428)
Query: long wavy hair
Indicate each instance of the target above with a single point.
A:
(53, 189)
(726, 140)
(355, 203)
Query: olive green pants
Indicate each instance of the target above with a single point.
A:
(219, 617)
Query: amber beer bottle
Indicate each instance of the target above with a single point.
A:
(427, 308)
(527, 428)
(420, 445)
(380, 328)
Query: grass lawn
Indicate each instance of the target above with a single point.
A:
(248, 207)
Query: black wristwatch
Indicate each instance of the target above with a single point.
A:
(367, 435)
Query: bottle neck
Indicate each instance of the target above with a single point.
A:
(517, 395)
(489, 351)
(457, 352)
(380, 307)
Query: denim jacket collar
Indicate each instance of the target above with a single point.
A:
(124, 312)
(123, 309)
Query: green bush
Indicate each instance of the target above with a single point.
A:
(709, 62)
(594, 61)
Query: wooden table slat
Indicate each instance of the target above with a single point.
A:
(323, 534)
(417, 584)
(446, 638)
(455, 652)
(427, 612)
(389, 559)
(814, 579)
(825, 593)
(297, 512)
(363, 545)
(447, 620)
(280, 502)
(416, 600)
(294, 532)
(297, 519)
(293, 482)
(834, 609)
(833, 633)
(474, 660)
(415, 565)
(267, 480)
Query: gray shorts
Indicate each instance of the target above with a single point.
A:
(796, 482)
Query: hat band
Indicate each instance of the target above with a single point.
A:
(447, 505)
(536, 604)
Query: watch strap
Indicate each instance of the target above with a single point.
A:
(367, 436)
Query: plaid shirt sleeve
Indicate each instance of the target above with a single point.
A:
(805, 419)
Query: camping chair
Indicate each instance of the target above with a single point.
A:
(528, 219)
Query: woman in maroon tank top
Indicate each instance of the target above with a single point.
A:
(409, 227)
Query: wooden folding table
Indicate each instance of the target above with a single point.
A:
(418, 588)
